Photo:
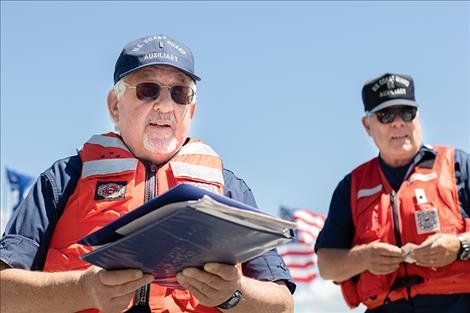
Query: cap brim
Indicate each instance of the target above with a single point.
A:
(394, 102)
(193, 76)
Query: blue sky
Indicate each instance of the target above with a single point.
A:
(280, 96)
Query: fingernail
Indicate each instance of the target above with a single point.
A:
(138, 274)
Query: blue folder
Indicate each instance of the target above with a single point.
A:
(184, 236)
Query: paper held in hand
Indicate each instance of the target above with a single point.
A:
(206, 204)
(186, 227)
(409, 247)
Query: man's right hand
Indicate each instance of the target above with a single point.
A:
(111, 291)
(376, 257)
(382, 258)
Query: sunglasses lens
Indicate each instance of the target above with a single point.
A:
(182, 94)
(408, 114)
(147, 91)
(386, 116)
(151, 91)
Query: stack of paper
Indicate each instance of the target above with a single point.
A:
(185, 227)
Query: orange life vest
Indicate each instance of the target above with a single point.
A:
(436, 210)
(112, 183)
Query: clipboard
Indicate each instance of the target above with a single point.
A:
(186, 227)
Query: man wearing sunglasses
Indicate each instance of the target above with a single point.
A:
(398, 229)
(152, 104)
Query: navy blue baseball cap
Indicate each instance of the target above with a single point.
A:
(388, 90)
(154, 50)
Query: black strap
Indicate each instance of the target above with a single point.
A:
(141, 301)
(404, 282)
(408, 281)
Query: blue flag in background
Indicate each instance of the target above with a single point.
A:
(19, 184)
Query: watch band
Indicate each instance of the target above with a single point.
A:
(464, 251)
(232, 301)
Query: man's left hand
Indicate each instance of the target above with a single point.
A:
(213, 285)
(439, 250)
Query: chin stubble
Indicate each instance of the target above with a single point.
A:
(159, 145)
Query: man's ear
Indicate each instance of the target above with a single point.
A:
(193, 110)
(113, 106)
(366, 124)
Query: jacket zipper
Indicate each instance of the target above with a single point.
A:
(396, 227)
(150, 182)
(142, 295)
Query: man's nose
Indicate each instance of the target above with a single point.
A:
(164, 103)
(397, 121)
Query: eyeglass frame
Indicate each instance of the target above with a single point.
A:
(169, 87)
(398, 111)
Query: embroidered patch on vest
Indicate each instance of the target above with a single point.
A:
(427, 221)
(110, 190)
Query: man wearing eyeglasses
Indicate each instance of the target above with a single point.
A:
(398, 229)
(152, 104)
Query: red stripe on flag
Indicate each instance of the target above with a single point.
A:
(305, 279)
(297, 253)
(306, 221)
(299, 256)
(292, 265)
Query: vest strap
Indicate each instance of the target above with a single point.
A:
(408, 281)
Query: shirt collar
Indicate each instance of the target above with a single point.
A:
(425, 152)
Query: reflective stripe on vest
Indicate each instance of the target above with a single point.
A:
(197, 148)
(107, 142)
(181, 169)
(369, 192)
(109, 166)
(422, 177)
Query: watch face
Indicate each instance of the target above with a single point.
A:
(464, 252)
(465, 255)
(233, 301)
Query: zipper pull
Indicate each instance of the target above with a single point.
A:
(153, 168)
(393, 196)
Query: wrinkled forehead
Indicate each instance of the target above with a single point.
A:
(157, 72)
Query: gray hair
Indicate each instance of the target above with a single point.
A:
(119, 88)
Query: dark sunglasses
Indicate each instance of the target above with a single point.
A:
(386, 116)
(151, 91)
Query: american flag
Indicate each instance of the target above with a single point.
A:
(299, 255)
(19, 186)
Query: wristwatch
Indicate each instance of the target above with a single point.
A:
(464, 251)
(232, 301)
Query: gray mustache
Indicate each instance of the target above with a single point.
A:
(167, 117)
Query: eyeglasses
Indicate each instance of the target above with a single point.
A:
(150, 91)
(386, 116)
